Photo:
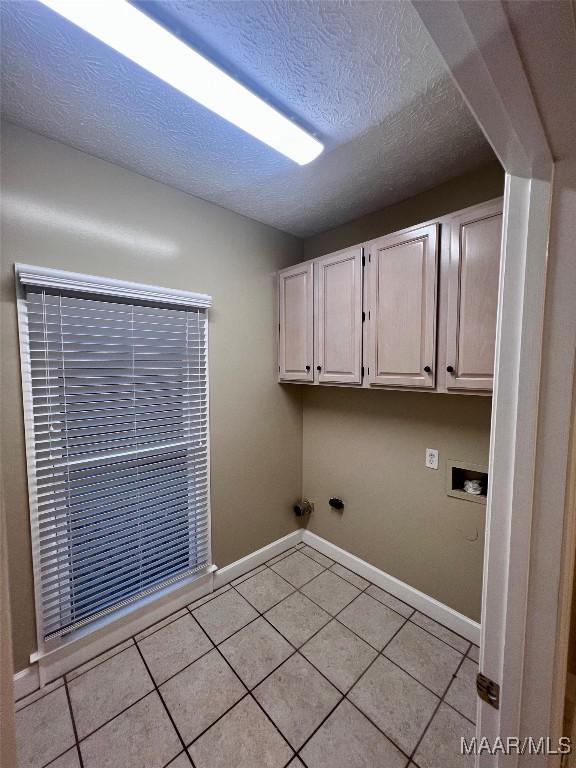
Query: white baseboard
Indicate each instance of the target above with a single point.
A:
(26, 681)
(254, 559)
(50, 665)
(450, 618)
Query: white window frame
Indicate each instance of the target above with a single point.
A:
(42, 277)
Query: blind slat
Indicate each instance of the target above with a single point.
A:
(118, 407)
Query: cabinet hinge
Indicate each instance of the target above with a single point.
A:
(488, 690)
(362, 370)
(363, 261)
(363, 317)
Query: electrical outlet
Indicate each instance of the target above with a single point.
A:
(431, 458)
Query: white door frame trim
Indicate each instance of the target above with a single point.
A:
(526, 514)
(513, 449)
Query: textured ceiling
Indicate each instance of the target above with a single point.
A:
(362, 76)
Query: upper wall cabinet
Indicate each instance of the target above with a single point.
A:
(402, 285)
(473, 297)
(338, 317)
(296, 328)
(413, 309)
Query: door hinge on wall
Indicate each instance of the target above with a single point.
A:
(488, 690)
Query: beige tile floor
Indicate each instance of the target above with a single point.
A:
(298, 663)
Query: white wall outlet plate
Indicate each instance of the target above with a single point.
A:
(431, 458)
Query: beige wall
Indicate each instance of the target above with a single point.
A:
(474, 187)
(369, 446)
(68, 210)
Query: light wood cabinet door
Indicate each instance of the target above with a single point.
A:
(296, 329)
(402, 286)
(473, 298)
(338, 317)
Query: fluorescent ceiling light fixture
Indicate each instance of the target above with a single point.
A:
(133, 34)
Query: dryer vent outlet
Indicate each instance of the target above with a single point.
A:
(303, 508)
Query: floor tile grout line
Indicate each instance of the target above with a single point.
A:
(334, 618)
(292, 587)
(300, 551)
(121, 712)
(347, 692)
(253, 688)
(220, 717)
(297, 649)
(167, 624)
(25, 706)
(189, 609)
(396, 664)
(173, 618)
(214, 596)
(436, 636)
(218, 592)
(324, 719)
(344, 695)
(378, 728)
(173, 759)
(429, 723)
(157, 690)
(360, 592)
(76, 740)
(249, 693)
(53, 760)
(319, 553)
(282, 556)
(74, 747)
(271, 568)
(175, 674)
(251, 621)
(228, 709)
(99, 663)
(248, 575)
(252, 572)
(285, 597)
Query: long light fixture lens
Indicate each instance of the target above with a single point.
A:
(136, 36)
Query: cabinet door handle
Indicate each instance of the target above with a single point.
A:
(450, 368)
(427, 369)
(307, 367)
(318, 367)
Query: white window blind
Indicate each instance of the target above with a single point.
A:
(117, 428)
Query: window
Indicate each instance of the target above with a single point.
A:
(116, 408)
